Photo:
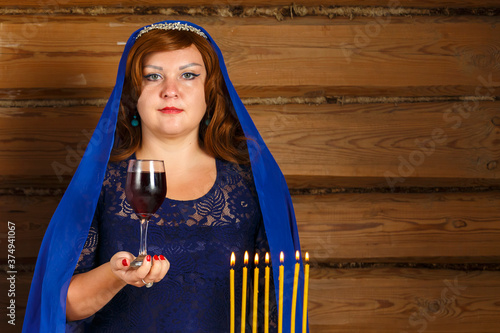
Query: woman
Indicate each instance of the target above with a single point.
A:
(176, 104)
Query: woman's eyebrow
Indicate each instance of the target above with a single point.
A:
(154, 67)
(189, 65)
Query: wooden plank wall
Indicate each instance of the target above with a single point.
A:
(384, 116)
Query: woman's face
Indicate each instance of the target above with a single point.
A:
(172, 100)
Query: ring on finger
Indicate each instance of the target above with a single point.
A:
(148, 284)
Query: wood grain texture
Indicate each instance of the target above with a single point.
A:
(452, 227)
(385, 143)
(394, 142)
(404, 300)
(365, 56)
(31, 216)
(60, 137)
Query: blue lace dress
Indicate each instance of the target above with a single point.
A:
(197, 237)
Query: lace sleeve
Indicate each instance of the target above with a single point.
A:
(87, 260)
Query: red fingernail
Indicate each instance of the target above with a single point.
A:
(124, 262)
(162, 257)
(148, 258)
(156, 257)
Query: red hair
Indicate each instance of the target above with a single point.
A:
(222, 138)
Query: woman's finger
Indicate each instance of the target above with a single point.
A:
(165, 266)
(121, 260)
(159, 269)
(143, 271)
(154, 273)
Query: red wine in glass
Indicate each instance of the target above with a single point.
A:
(145, 190)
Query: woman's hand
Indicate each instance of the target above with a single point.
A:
(88, 292)
(153, 269)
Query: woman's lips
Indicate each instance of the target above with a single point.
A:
(170, 110)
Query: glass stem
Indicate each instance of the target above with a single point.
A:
(144, 238)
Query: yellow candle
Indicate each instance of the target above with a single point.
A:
(266, 299)
(231, 290)
(282, 283)
(294, 295)
(306, 294)
(255, 293)
(244, 294)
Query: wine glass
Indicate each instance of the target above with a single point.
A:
(145, 191)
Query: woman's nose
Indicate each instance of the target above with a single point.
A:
(170, 89)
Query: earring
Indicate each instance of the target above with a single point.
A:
(207, 120)
(134, 122)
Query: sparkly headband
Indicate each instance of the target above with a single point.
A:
(171, 26)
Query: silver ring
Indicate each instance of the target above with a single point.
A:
(148, 284)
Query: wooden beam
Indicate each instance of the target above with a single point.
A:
(404, 300)
(393, 142)
(398, 56)
(389, 145)
(441, 227)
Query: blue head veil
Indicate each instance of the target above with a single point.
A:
(69, 226)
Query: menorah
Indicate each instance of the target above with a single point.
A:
(266, 293)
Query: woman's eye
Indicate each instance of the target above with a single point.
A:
(152, 77)
(190, 76)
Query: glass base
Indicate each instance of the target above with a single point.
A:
(138, 261)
